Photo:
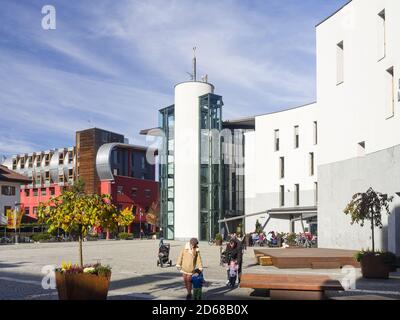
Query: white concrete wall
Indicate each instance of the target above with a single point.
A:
(339, 181)
(187, 159)
(8, 200)
(262, 165)
(355, 110)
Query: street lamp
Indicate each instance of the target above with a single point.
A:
(140, 223)
(15, 221)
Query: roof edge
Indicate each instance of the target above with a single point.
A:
(327, 18)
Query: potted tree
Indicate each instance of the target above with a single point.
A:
(218, 239)
(369, 206)
(76, 213)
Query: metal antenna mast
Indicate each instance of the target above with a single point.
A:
(194, 64)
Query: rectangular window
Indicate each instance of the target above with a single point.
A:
(27, 211)
(311, 157)
(315, 132)
(43, 191)
(35, 192)
(316, 192)
(296, 137)
(120, 190)
(47, 160)
(340, 62)
(134, 192)
(61, 158)
(70, 157)
(381, 29)
(26, 192)
(70, 174)
(52, 191)
(35, 211)
(8, 190)
(281, 167)
(14, 165)
(390, 96)
(22, 163)
(47, 176)
(276, 140)
(30, 162)
(296, 194)
(38, 161)
(147, 193)
(282, 196)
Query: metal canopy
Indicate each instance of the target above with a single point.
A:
(281, 213)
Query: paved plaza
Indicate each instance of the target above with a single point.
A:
(135, 274)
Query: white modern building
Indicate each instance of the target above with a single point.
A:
(281, 181)
(351, 136)
(358, 64)
(302, 165)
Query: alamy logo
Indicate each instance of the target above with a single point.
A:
(349, 280)
(49, 20)
(49, 279)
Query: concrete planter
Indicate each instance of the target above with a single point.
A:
(82, 286)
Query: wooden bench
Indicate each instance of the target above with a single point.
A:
(265, 261)
(291, 287)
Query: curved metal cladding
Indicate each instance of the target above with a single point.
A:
(103, 164)
(53, 167)
(103, 158)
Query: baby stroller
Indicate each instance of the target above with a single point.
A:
(163, 255)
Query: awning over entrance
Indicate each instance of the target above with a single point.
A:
(281, 213)
(293, 213)
(290, 214)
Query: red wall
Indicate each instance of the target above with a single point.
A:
(126, 199)
(32, 201)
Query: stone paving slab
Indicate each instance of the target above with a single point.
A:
(135, 274)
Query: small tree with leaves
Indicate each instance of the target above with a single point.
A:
(74, 211)
(368, 206)
(258, 227)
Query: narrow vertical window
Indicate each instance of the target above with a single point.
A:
(296, 194)
(390, 85)
(381, 29)
(281, 167)
(316, 192)
(315, 132)
(340, 62)
(296, 137)
(311, 156)
(276, 140)
(282, 195)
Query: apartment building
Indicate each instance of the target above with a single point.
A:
(103, 160)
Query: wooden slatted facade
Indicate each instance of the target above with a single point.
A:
(88, 143)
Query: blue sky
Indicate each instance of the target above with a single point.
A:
(113, 64)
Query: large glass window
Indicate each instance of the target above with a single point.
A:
(166, 172)
(210, 168)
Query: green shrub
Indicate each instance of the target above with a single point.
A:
(125, 236)
(92, 237)
(388, 257)
(218, 237)
(43, 236)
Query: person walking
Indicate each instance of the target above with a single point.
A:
(188, 261)
(198, 281)
(230, 253)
